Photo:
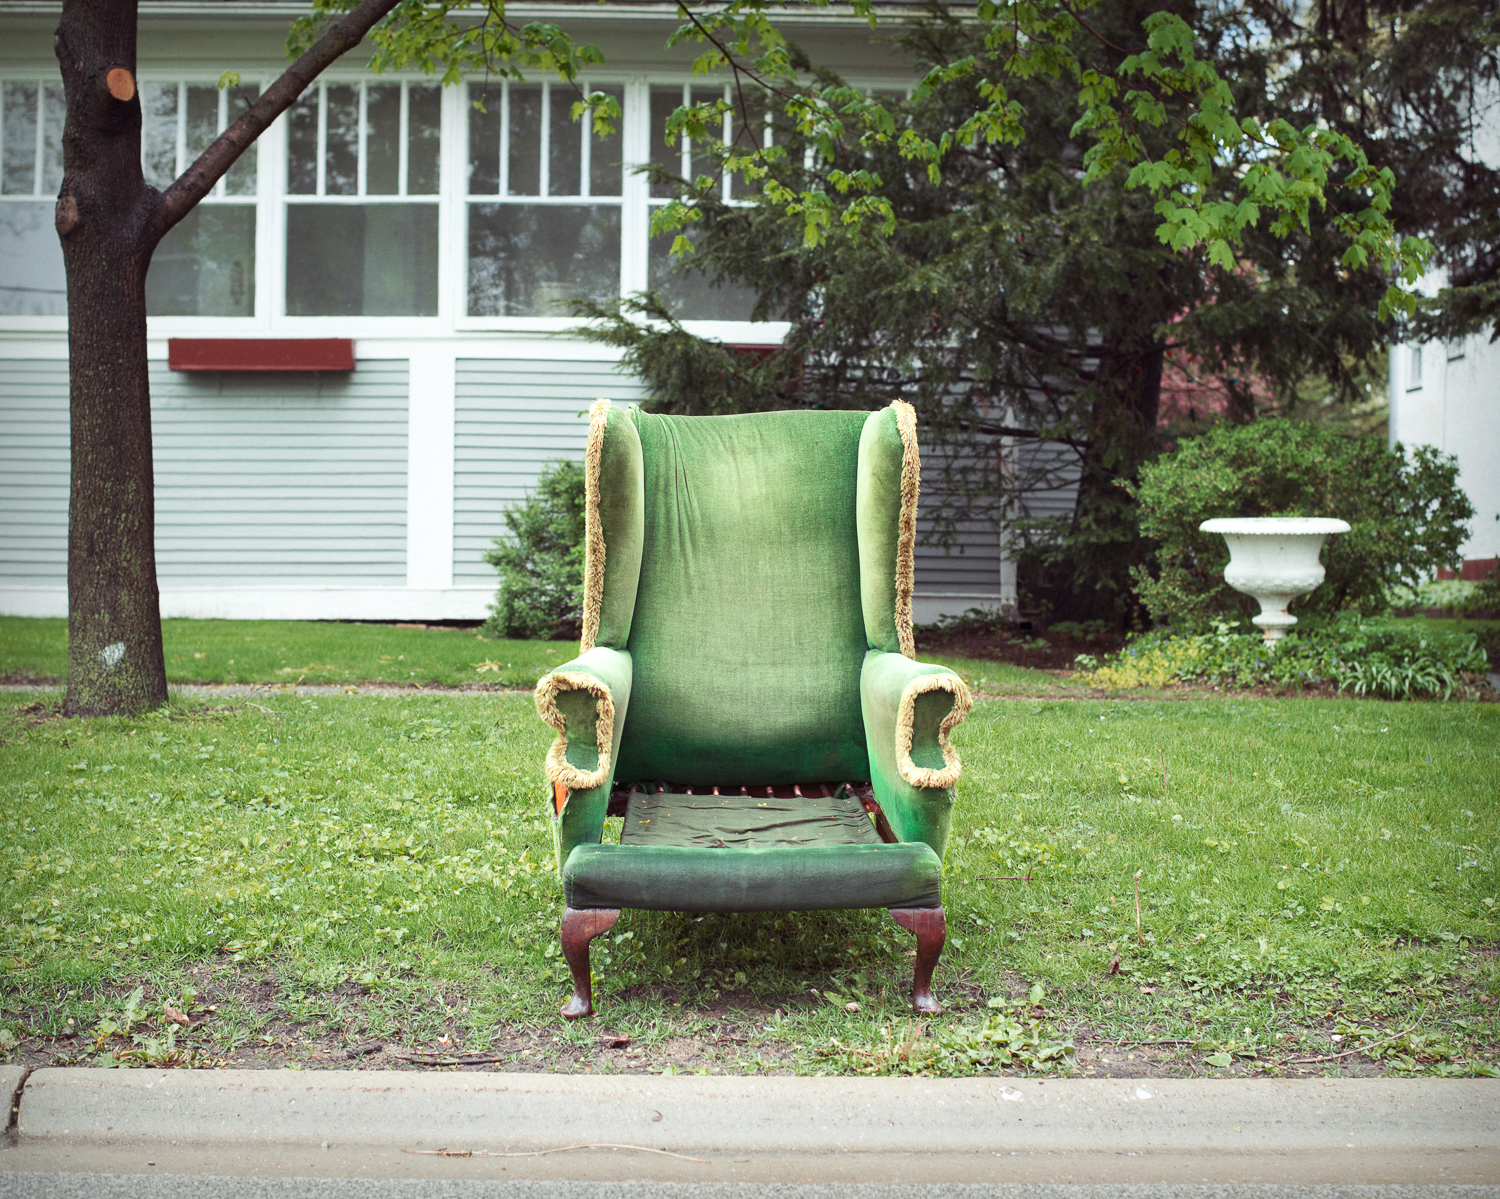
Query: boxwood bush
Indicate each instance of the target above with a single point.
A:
(1408, 514)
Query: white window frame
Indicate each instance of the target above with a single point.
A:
(271, 198)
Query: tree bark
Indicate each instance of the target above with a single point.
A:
(110, 222)
(105, 219)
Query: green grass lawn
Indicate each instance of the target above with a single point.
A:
(318, 880)
(311, 651)
(314, 651)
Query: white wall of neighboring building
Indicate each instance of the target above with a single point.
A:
(1448, 396)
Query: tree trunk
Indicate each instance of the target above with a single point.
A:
(105, 219)
(110, 223)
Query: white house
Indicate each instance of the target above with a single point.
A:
(435, 237)
(1448, 396)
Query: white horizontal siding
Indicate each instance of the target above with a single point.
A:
(511, 419)
(34, 472)
(274, 479)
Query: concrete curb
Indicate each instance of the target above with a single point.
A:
(517, 1112)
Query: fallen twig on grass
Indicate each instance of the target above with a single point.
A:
(1007, 878)
(1162, 1041)
(1307, 1061)
(429, 1059)
(544, 1152)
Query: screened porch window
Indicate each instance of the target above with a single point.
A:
(544, 201)
(32, 282)
(205, 266)
(363, 162)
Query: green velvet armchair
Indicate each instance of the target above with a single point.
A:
(746, 695)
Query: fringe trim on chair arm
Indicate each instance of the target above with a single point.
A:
(593, 529)
(925, 776)
(559, 769)
(906, 528)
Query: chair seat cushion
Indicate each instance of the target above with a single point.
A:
(745, 821)
(776, 878)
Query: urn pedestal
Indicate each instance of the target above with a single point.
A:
(1274, 559)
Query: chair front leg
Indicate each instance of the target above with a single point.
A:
(931, 928)
(579, 927)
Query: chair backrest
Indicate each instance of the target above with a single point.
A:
(747, 634)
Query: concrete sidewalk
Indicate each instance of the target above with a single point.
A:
(375, 1124)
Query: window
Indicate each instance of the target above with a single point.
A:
(205, 266)
(32, 282)
(363, 165)
(1456, 349)
(689, 292)
(544, 201)
(1414, 368)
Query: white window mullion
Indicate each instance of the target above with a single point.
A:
(728, 132)
(686, 165)
(584, 159)
(221, 188)
(270, 225)
(322, 146)
(361, 173)
(403, 140)
(635, 211)
(181, 149)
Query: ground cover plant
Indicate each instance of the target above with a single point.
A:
(363, 880)
(1389, 659)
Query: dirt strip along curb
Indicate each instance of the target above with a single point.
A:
(809, 1115)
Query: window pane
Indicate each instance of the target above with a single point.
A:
(749, 134)
(361, 259)
(205, 266)
(159, 133)
(529, 260)
(484, 142)
(607, 154)
(383, 139)
(690, 294)
(54, 107)
(664, 102)
(302, 145)
(202, 120)
(703, 163)
(19, 170)
(341, 169)
(425, 128)
(241, 179)
(564, 146)
(525, 141)
(32, 282)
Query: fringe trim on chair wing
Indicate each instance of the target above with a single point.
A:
(925, 776)
(593, 529)
(559, 769)
(906, 529)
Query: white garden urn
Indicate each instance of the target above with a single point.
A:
(1274, 559)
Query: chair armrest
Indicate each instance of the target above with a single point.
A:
(585, 701)
(909, 709)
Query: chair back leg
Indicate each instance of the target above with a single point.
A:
(931, 928)
(579, 927)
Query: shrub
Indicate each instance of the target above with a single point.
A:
(541, 561)
(1408, 515)
(1382, 658)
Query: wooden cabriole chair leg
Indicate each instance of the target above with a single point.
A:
(931, 928)
(579, 927)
